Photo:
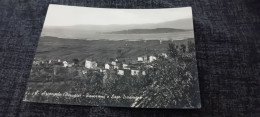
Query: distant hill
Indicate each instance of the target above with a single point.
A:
(148, 31)
(177, 24)
(82, 31)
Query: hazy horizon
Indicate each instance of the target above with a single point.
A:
(117, 24)
(62, 15)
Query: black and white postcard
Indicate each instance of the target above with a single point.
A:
(140, 58)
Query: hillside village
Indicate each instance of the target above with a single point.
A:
(138, 76)
(137, 68)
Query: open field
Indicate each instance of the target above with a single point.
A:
(100, 50)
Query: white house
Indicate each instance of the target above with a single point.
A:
(116, 67)
(125, 66)
(70, 65)
(140, 59)
(90, 64)
(152, 58)
(113, 62)
(84, 71)
(65, 64)
(149, 66)
(120, 72)
(143, 73)
(42, 62)
(107, 66)
(36, 62)
(164, 55)
(145, 58)
(135, 72)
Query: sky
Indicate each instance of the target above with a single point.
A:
(62, 15)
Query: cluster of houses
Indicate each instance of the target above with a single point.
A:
(134, 69)
(120, 68)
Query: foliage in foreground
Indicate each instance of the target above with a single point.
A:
(174, 81)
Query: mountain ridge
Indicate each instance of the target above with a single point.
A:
(84, 31)
(147, 31)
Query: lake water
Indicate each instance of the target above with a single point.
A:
(133, 37)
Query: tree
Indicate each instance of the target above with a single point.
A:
(75, 61)
(191, 46)
(183, 48)
(173, 50)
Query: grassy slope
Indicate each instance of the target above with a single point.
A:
(99, 50)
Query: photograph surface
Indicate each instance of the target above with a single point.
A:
(140, 58)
